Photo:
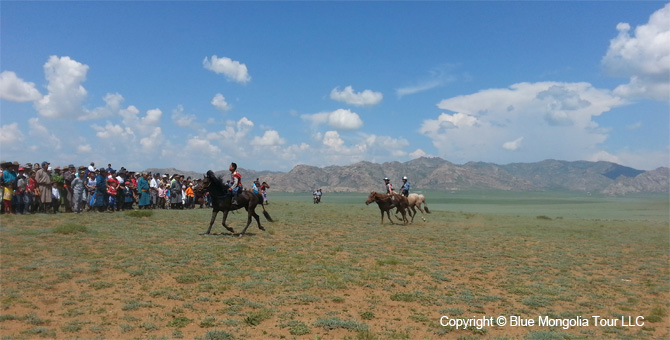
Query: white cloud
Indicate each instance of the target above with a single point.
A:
(112, 107)
(233, 70)
(417, 154)
(340, 119)
(365, 98)
(180, 118)
(10, 135)
(333, 140)
(219, 102)
(513, 145)
(437, 77)
(153, 141)
(199, 145)
(64, 77)
(644, 57)
(15, 89)
(86, 148)
(39, 132)
(114, 132)
(269, 138)
(556, 120)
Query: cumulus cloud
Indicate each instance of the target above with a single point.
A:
(112, 107)
(66, 94)
(418, 153)
(219, 102)
(340, 119)
(513, 145)
(365, 98)
(555, 119)
(269, 138)
(232, 69)
(643, 56)
(10, 134)
(15, 89)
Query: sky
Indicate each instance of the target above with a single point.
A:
(270, 85)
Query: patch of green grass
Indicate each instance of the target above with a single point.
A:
(256, 317)
(367, 315)
(179, 322)
(218, 335)
(139, 213)
(70, 228)
(296, 327)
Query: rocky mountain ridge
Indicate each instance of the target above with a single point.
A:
(435, 173)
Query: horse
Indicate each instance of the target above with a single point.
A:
(222, 201)
(388, 202)
(415, 201)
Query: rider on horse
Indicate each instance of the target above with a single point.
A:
(405, 186)
(236, 182)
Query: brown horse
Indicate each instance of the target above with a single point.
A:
(222, 201)
(388, 202)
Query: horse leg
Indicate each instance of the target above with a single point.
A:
(211, 222)
(223, 223)
(258, 220)
(421, 210)
(249, 214)
(389, 216)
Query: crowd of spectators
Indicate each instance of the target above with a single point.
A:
(40, 188)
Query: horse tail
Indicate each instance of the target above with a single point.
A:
(265, 213)
(425, 206)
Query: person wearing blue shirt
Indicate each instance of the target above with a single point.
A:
(405, 186)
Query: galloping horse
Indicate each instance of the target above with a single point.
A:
(416, 200)
(386, 203)
(222, 201)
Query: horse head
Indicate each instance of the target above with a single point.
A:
(371, 198)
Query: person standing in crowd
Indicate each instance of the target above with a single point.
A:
(43, 178)
(190, 196)
(100, 190)
(143, 190)
(405, 186)
(55, 196)
(90, 189)
(175, 192)
(128, 197)
(120, 196)
(32, 193)
(68, 177)
(161, 195)
(8, 183)
(112, 190)
(78, 189)
(153, 186)
(20, 193)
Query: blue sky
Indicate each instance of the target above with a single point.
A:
(269, 85)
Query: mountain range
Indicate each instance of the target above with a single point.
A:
(434, 173)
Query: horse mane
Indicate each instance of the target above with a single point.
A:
(217, 188)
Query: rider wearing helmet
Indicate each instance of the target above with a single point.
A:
(405, 186)
(389, 186)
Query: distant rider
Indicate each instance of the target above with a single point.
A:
(389, 186)
(405, 186)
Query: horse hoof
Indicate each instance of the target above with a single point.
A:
(261, 228)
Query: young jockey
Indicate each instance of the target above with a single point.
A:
(389, 186)
(405, 186)
(236, 182)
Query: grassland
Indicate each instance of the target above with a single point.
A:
(331, 271)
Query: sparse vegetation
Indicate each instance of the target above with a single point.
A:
(340, 275)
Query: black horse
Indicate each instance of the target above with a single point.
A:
(222, 201)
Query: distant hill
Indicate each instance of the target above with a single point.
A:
(438, 174)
